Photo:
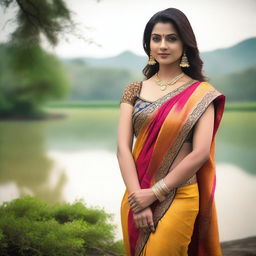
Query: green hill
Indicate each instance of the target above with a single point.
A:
(229, 60)
(239, 86)
(97, 83)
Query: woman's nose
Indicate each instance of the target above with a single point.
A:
(163, 44)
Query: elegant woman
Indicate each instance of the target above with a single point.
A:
(168, 207)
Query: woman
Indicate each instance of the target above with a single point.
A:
(168, 206)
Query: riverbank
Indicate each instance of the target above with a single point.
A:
(229, 106)
(240, 247)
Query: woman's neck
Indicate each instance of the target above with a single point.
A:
(168, 72)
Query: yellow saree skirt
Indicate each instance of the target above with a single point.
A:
(175, 229)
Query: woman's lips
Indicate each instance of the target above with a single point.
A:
(163, 55)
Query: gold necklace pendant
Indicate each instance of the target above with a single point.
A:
(163, 85)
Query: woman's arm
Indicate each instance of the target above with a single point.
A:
(143, 219)
(124, 148)
(199, 155)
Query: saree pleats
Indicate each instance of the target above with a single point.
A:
(174, 230)
(158, 142)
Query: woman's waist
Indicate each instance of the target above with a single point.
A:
(191, 180)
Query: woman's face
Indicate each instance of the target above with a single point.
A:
(165, 39)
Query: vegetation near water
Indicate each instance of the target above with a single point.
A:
(29, 226)
(229, 106)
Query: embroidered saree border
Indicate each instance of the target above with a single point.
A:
(194, 115)
(139, 118)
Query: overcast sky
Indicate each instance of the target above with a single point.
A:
(118, 25)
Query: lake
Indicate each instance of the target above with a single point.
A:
(74, 158)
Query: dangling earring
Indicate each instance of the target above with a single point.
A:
(151, 60)
(184, 61)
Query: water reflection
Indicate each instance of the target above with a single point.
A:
(24, 166)
(236, 140)
(59, 160)
(235, 198)
(95, 176)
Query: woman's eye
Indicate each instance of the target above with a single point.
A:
(172, 39)
(156, 38)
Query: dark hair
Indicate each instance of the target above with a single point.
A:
(186, 34)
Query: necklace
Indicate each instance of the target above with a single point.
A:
(163, 85)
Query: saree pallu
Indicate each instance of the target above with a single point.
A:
(161, 128)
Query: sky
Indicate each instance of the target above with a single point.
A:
(117, 25)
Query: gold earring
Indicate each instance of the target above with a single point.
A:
(184, 61)
(151, 60)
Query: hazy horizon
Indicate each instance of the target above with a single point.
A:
(118, 25)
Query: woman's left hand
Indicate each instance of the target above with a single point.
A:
(141, 199)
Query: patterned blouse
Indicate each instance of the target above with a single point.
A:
(131, 95)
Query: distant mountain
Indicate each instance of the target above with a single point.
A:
(228, 60)
(127, 60)
(218, 62)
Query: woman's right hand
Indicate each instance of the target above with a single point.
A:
(144, 220)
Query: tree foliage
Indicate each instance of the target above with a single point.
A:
(29, 226)
(29, 76)
(36, 18)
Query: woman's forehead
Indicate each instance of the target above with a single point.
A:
(164, 29)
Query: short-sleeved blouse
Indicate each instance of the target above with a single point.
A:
(131, 95)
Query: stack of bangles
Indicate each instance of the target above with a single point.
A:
(160, 190)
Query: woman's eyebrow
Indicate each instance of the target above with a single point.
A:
(166, 35)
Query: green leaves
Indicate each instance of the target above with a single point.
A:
(29, 77)
(29, 226)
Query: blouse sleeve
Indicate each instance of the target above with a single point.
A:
(130, 93)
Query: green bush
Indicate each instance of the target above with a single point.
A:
(29, 226)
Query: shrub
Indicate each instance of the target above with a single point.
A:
(29, 226)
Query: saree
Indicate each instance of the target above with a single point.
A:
(160, 128)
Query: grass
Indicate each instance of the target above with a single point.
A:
(240, 106)
(83, 104)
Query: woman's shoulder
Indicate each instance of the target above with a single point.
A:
(130, 92)
(133, 86)
(211, 87)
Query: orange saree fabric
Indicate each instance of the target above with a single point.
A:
(160, 137)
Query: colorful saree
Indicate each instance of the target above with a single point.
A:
(160, 128)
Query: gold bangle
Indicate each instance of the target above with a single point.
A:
(158, 191)
(164, 186)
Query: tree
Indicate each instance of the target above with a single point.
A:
(29, 76)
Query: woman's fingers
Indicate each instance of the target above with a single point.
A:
(144, 220)
(140, 222)
(135, 205)
(136, 220)
(151, 222)
(132, 202)
(144, 224)
(131, 197)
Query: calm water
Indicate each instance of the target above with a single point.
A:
(74, 157)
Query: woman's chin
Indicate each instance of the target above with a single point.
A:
(168, 62)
